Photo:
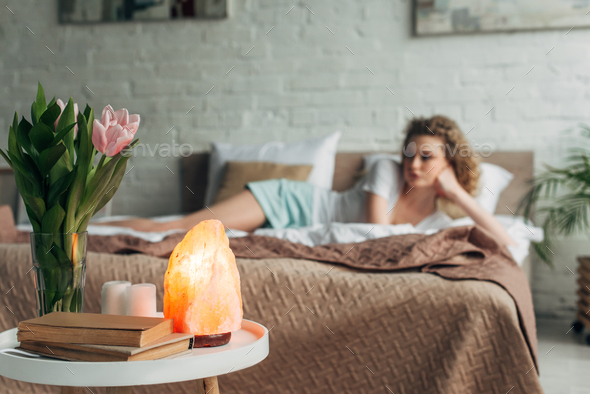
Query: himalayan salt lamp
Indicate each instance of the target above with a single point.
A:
(202, 286)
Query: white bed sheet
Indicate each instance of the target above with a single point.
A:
(521, 232)
(115, 230)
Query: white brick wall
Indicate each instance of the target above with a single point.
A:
(300, 80)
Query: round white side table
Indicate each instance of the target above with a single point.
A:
(247, 347)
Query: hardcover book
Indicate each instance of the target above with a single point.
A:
(170, 345)
(94, 329)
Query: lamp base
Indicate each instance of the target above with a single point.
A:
(212, 340)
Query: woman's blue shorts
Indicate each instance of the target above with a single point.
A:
(285, 203)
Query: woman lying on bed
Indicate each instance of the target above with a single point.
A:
(389, 193)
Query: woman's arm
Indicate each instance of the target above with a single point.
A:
(376, 209)
(448, 186)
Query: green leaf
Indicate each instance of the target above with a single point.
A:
(85, 142)
(22, 136)
(74, 195)
(90, 175)
(35, 224)
(51, 273)
(59, 266)
(114, 184)
(89, 130)
(15, 122)
(96, 191)
(67, 118)
(22, 169)
(49, 157)
(87, 112)
(85, 220)
(46, 259)
(6, 158)
(62, 133)
(41, 95)
(96, 188)
(39, 106)
(32, 166)
(59, 187)
(62, 257)
(116, 178)
(65, 280)
(53, 219)
(26, 187)
(13, 146)
(35, 207)
(76, 190)
(61, 168)
(50, 115)
(41, 136)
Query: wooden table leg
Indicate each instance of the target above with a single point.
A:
(71, 390)
(119, 390)
(211, 385)
(204, 386)
(207, 386)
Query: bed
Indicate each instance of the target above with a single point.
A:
(335, 328)
(195, 175)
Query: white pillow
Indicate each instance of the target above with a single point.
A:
(493, 180)
(319, 152)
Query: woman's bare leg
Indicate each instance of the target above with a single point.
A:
(240, 212)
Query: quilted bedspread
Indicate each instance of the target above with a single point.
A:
(334, 329)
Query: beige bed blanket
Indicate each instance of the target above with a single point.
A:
(333, 329)
(467, 252)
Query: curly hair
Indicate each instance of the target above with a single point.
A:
(457, 149)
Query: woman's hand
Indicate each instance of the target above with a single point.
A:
(447, 184)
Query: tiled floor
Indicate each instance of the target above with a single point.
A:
(564, 358)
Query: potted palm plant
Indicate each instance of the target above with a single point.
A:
(562, 196)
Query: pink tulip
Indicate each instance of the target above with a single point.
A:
(114, 131)
(62, 106)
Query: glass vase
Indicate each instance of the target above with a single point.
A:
(59, 266)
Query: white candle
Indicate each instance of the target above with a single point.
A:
(141, 300)
(114, 297)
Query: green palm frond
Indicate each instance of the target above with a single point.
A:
(567, 213)
(574, 213)
(544, 252)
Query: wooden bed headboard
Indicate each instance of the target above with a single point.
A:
(8, 189)
(195, 173)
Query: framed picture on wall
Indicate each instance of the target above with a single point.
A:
(88, 11)
(433, 17)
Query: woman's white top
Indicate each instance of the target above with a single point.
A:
(385, 179)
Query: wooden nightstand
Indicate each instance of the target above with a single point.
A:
(583, 315)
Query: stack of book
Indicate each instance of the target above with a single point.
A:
(95, 337)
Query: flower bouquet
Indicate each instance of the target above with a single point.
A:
(62, 186)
